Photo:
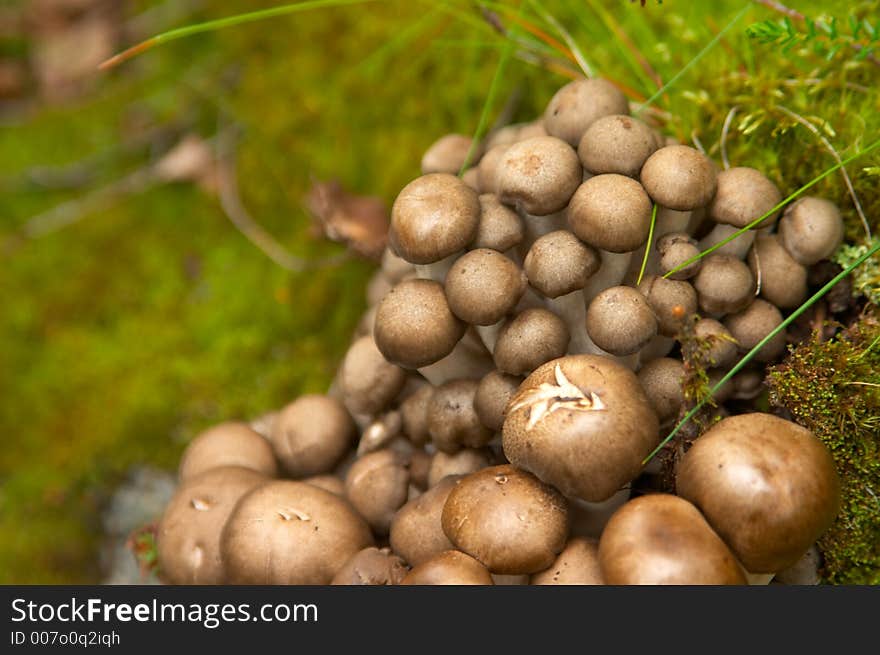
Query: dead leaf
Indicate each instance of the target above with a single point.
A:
(360, 222)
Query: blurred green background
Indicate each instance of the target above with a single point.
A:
(148, 316)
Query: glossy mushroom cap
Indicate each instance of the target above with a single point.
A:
(451, 567)
(372, 566)
(227, 444)
(447, 154)
(452, 420)
(538, 175)
(500, 228)
(377, 485)
(620, 320)
(724, 285)
(558, 426)
(744, 195)
(492, 397)
(616, 144)
(783, 281)
(577, 564)
(577, 105)
(369, 382)
(754, 323)
(559, 263)
(679, 177)
(483, 286)
(811, 230)
(414, 415)
(416, 531)
(673, 302)
(611, 212)
(768, 486)
(662, 380)
(528, 340)
(464, 462)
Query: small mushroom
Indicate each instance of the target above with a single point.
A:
(754, 323)
(227, 444)
(487, 170)
(811, 230)
(679, 177)
(610, 212)
(528, 340)
(660, 539)
(724, 285)
(290, 533)
(768, 486)
(616, 144)
(781, 280)
(662, 381)
(675, 249)
(492, 396)
(538, 175)
(452, 420)
(451, 567)
(577, 564)
(464, 462)
(372, 566)
(500, 228)
(483, 286)
(673, 302)
(369, 382)
(620, 320)
(719, 346)
(328, 482)
(377, 485)
(447, 154)
(311, 435)
(416, 532)
(507, 519)
(579, 104)
(414, 413)
(559, 263)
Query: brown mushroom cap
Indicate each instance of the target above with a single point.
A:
(532, 337)
(434, 216)
(507, 519)
(414, 413)
(724, 285)
(620, 320)
(611, 212)
(377, 485)
(464, 462)
(416, 532)
(538, 175)
(744, 195)
(662, 381)
(673, 302)
(811, 230)
(720, 345)
(560, 426)
(327, 482)
(451, 567)
(579, 104)
(286, 532)
(660, 539)
(452, 419)
(372, 566)
(487, 170)
(679, 177)
(369, 382)
(616, 144)
(577, 564)
(559, 263)
(783, 281)
(227, 444)
(675, 249)
(754, 323)
(311, 435)
(766, 485)
(483, 286)
(500, 228)
(414, 325)
(493, 394)
(188, 535)
(447, 154)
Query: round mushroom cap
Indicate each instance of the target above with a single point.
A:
(662, 380)
(416, 532)
(415, 326)
(811, 230)
(487, 169)
(675, 249)
(377, 485)
(783, 281)
(673, 302)
(577, 564)
(227, 444)
(493, 394)
(451, 567)
(327, 482)
(559, 426)
(507, 519)
(754, 323)
(483, 286)
(291, 533)
(611, 212)
(414, 414)
(452, 420)
(768, 486)
(464, 462)
(188, 535)
(311, 435)
(724, 285)
(744, 195)
(528, 340)
(719, 345)
(369, 382)
(559, 263)
(679, 177)
(433, 217)
(620, 320)
(447, 154)
(500, 228)
(661, 539)
(616, 144)
(579, 104)
(538, 175)
(372, 566)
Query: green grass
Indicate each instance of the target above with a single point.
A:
(126, 333)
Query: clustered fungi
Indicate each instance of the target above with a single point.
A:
(516, 370)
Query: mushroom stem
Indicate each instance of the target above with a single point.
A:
(572, 309)
(538, 226)
(468, 360)
(738, 248)
(668, 221)
(489, 334)
(436, 270)
(656, 348)
(758, 579)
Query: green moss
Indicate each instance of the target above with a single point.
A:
(833, 389)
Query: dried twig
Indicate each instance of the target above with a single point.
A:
(724, 131)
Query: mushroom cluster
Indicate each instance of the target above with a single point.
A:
(517, 367)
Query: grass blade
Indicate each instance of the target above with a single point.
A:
(648, 245)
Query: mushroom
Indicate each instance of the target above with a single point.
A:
(781, 280)
(558, 426)
(447, 154)
(372, 566)
(662, 381)
(483, 286)
(661, 539)
(492, 396)
(311, 435)
(227, 444)
(538, 175)
(416, 532)
(610, 212)
(415, 326)
(507, 519)
(377, 485)
(754, 323)
(464, 462)
(500, 227)
(327, 482)
(487, 170)
(369, 382)
(188, 535)
(718, 347)
(528, 340)
(419, 469)
(577, 564)
(451, 567)
(679, 177)
(724, 285)
(675, 249)
(768, 486)
(452, 421)
(471, 177)
(285, 532)
(811, 230)
(616, 144)
(579, 104)
(380, 432)
(673, 302)
(414, 414)
(803, 572)
(620, 321)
